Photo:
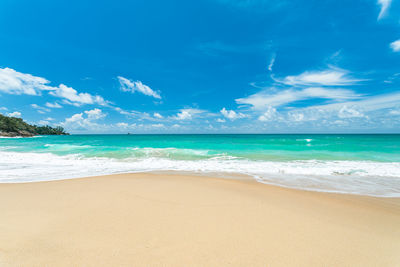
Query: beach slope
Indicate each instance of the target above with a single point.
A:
(181, 220)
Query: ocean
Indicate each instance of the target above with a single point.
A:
(355, 164)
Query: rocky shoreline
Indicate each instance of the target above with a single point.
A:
(17, 134)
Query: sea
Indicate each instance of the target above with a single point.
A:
(367, 164)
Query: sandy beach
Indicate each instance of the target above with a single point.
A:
(181, 220)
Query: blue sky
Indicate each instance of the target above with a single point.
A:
(212, 66)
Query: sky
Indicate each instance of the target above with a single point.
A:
(211, 66)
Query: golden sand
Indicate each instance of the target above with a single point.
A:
(180, 220)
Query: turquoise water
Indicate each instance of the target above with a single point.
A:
(364, 164)
(385, 148)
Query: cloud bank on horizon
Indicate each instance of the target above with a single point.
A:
(267, 67)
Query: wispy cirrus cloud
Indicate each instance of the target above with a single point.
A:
(384, 6)
(338, 108)
(373, 109)
(321, 97)
(275, 98)
(40, 109)
(271, 62)
(70, 95)
(367, 104)
(127, 85)
(329, 77)
(136, 114)
(53, 105)
(18, 83)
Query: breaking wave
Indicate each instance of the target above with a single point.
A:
(340, 176)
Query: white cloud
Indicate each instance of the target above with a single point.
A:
(221, 120)
(70, 94)
(188, 113)
(133, 86)
(14, 82)
(17, 83)
(53, 105)
(123, 125)
(231, 114)
(371, 109)
(40, 109)
(43, 122)
(95, 114)
(158, 125)
(140, 128)
(369, 104)
(332, 107)
(135, 114)
(395, 46)
(157, 115)
(331, 103)
(346, 112)
(15, 114)
(3, 108)
(75, 118)
(268, 115)
(183, 115)
(79, 120)
(394, 112)
(271, 62)
(329, 77)
(274, 98)
(340, 122)
(296, 116)
(384, 7)
(121, 111)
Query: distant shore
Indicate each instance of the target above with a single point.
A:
(179, 220)
(17, 127)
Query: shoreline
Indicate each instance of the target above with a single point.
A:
(336, 163)
(184, 220)
(215, 175)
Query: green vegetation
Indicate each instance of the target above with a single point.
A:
(11, 126)
(47, 130)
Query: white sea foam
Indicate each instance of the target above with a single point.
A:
(18, 137)
(168, 151)
(356, 177)
(307, 140)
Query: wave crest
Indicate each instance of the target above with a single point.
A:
(356, 177)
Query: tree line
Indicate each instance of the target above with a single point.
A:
(16, 126)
